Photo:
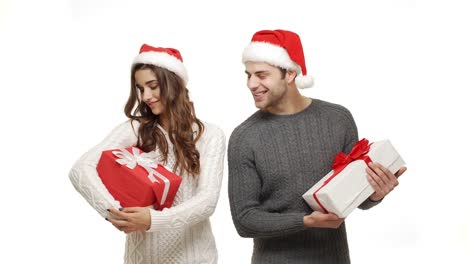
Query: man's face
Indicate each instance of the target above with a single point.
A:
(266, 83)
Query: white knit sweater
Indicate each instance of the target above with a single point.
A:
(180, 234)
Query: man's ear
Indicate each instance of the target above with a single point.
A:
(291, 76)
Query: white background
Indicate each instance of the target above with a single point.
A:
(399, 66)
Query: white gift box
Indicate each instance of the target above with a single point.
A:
(349, 188)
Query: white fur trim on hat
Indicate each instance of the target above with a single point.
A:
(163, 60)
(276, 56)
(303, 82)
(269, 53)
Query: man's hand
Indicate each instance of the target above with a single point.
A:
(131, 219)
(321, 220)
(382, 180)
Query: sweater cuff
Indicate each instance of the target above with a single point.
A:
(368, 203)
(297, 224)
(158, 222)
(300, 220)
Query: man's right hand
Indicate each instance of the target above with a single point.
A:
(321, 220)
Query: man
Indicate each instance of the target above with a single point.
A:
(282, 150)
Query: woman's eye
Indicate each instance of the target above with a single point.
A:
(140, 89)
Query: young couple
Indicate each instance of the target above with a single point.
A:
(274, 157)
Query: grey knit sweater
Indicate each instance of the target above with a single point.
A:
(273, 160)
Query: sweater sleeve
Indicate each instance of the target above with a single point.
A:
(202, 205)
(84, 176)
(245, 186)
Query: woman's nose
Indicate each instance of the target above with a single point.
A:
(146, 94)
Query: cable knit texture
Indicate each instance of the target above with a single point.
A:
(273, 160)
(180, 234)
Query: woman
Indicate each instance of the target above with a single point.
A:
(162, 121)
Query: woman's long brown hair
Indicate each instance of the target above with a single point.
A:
(180, 113)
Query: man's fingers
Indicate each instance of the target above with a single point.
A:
(374, 185)
(330, 217)
(325, 220)
(336, 223)
(389, 179)
(379, 171)
(400, 171)
(374, 179)
(388, 175)
(325, 217)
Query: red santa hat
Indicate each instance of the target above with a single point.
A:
(279, 48)
(167, 58)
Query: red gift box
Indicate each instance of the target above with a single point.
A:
(135, 179)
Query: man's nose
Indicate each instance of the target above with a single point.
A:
(253, 83)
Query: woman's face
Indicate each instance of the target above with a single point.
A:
(148, 87)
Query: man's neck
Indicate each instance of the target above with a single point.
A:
(292, 105)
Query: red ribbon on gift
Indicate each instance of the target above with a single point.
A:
(359, 152)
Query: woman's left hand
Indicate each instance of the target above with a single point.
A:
(131, 219)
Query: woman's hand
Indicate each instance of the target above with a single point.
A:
(131, 219)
